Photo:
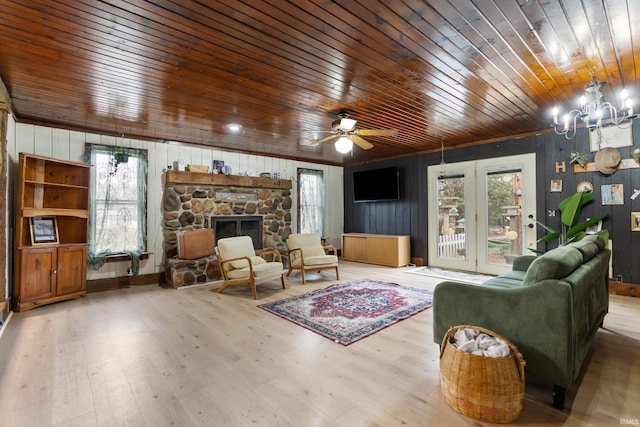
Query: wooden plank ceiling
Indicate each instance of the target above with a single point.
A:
(457, 72)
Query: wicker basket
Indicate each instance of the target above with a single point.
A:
(485, 388)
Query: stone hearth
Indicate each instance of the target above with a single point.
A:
(190, 199)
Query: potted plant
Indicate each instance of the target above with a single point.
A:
(579, 158)
(571, 230)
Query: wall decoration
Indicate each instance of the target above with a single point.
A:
(556, 186)
(217, 166)
(612, 136)
(585, 187)
(635, 221)
(593, 229)
(43, 230)
(612, 194)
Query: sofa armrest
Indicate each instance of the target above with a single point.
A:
(538, 319)
(523, 262)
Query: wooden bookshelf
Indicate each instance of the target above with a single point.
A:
(50, 267)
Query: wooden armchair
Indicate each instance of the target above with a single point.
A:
(241, 264)
(306, 253)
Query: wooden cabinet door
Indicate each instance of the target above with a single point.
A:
(354, 248)
(37, 272)
(72, 269)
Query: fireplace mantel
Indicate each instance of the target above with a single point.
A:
(197, 178)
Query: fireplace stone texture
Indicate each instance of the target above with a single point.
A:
(188, 207)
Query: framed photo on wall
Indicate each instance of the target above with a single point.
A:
(635, 221)
(612, 194)
(43, 230)
(612, 136)
(556, 186)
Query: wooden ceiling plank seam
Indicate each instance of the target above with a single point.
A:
(624, 38)
(492, 88)
(491, 94)
(446, 45)
(523, 53)
(506, 68)
(480, 105)
(498, 112)
(557, 75)
(565, 35)
(593, 10)
(547, 65)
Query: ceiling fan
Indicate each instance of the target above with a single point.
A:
(344, 129)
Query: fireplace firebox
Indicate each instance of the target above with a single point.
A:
(232, 226)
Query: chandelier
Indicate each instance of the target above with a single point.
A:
(594, 112)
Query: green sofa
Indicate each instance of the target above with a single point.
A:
(549, 306)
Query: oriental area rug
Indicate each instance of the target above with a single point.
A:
(346, 313)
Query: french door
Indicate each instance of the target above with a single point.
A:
(478, 213)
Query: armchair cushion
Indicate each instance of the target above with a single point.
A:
(236, 247)
(314, 260)
(261, 270)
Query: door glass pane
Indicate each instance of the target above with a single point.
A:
(504, 216)
(451, 230)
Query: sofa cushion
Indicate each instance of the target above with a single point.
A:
(589, 246)
(555, 264)
(503, 282)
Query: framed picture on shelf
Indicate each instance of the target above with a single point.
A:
(556, 186)
(44, 230)
(217, 166)
(635, 221)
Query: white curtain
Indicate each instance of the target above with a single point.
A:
(311, 201)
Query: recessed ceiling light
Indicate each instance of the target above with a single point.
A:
(234, 127)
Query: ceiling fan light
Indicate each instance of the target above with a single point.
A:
(344, 145)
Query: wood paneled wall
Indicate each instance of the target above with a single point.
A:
(409, 214)
(70, 145)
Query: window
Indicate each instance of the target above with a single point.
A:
(311, 201)
(118, 206)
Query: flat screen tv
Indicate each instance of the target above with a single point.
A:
(376, 185)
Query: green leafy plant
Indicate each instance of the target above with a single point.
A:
(572, 230)
(579, 158)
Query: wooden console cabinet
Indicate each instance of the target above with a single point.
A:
(54, 268)
(393, 251)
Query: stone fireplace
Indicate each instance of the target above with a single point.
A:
(259, 207)
(243, 225)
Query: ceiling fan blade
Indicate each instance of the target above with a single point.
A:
(361, 142)
(377, 132)
(325, 139)
(347, 124)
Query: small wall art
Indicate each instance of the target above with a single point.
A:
(556, 186)
(612, 194)
(635, 221)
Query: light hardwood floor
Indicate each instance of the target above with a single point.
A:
(154, 356)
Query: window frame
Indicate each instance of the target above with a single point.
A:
(322, 205)
(96, 260)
